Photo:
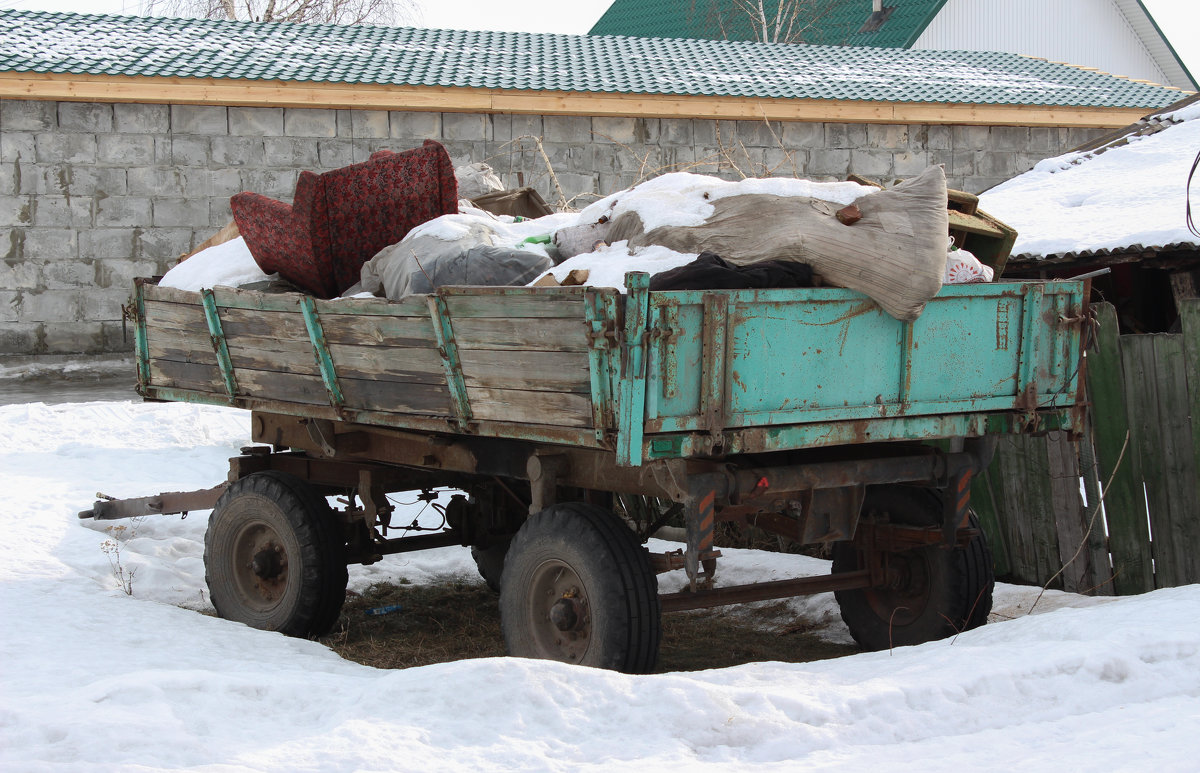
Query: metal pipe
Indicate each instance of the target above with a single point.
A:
(763, 591)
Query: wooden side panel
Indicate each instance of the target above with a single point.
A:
(1120, 473)
(524, 356)
(984, 500)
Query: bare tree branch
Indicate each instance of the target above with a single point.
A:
(298, 11)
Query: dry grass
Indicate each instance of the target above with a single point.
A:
(457, 620)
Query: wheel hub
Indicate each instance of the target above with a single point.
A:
(566, 614)
(267, 563)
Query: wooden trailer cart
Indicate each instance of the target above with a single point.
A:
(576, 421)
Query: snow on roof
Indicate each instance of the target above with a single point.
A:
(1127, 193)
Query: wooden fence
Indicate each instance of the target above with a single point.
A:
(1142, 452)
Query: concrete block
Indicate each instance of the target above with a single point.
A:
(781, 162)
(309, 122)
(68, 275)
(676, 158)
(567, 129)
(31, 179)
(675, 131)
(51, 305)
(845, 135)
(87, 181)
(176, 213)
(910, 163)
(334, 154)
(1077, 136)
(119, 274)
(71, 148)
(199, 119)
(996, 164)
(1013, 138)
(237, 151)
(977, 184)
(465, 127)
(970, 137)
(163, 148)
(100, 244)
(62, 211)
(1043, 140)
(223, 183)
(141, 119)
(10, 179)
(85, 117)
(220, 212)
(369, 124)
(760, 134)
(798, 134)
(824, 161)
(615, 130)
(290, 152)
(126, 149)
(710, 134)
(17, 146)
(278, 184)
(104, 306)
(887, 136)
(17, 338)
(48, 244)
(163, 181)
(190, 151)
(506, 128)
(415, 126)
(77, 337)
(28, 115)
(938, 137)
(10, 305)
(17, 274)
(16, 210)
(116, 337)
(256, 121)
(159, 244)
(115, 211)
(871, 164)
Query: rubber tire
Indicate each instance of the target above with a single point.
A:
(619, 588)
(313, 588)
(955, 596)
(490, 562)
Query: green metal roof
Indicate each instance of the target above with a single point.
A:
(79, 44)
(824, 22)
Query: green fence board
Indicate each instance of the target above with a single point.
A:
(1027, 509)
(1124, 500)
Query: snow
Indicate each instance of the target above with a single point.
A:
(1134, 194)
(227, 264)
(96, 679)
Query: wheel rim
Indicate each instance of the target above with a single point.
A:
(560, 614)
(905, 597)
(260, 566)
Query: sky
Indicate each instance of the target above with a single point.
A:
(1177, 18)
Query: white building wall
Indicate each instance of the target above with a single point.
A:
(1092, 33)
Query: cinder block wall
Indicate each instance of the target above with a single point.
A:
(95, 194)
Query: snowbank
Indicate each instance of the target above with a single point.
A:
(96, 679)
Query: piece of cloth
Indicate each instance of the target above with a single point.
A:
(896, 253)
(339, 219)
(476, 180)
(710, 271)
(423, 262)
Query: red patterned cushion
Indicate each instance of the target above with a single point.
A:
(339, 220)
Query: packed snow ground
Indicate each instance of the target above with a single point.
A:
(96, 679)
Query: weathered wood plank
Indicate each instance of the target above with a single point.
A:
(386, 331)
(1097, 548)
(243, 323)
(514, 302)
(562, 335)
(1189, 318)
(1165, 445)
(175, 316)
(1124, 500)
(1078, 573)
(388, 363)
(510, 405)
(187, 375)
(413, 306)
(1028, 512)
(527, 370)
(165, 348)
(393, 397)
(983, 501)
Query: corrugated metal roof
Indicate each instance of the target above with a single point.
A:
(821, 23)
(38, 42)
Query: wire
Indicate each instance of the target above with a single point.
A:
(1191, 223)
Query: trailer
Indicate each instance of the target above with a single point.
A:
(575, 422)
